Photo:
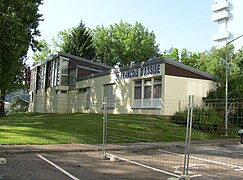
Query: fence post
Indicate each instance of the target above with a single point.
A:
(104, 129)
(188, 138)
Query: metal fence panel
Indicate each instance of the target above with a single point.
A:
(155, 141)
(158, 142)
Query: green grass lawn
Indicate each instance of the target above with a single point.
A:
(50, 128)
(29, 128)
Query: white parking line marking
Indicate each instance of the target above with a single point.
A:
(239, 168)
(59, 168)
(149, 167)
(220, 149)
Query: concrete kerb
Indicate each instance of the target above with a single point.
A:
(54, 148)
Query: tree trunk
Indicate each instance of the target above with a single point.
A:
(2, 113)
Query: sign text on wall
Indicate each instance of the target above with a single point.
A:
(143, 71)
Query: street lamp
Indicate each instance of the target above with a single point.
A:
(226, 85)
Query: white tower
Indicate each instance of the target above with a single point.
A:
(228, 14)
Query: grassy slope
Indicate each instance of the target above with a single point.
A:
(87, 128)
(49, 129)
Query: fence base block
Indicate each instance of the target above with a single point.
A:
(114, 158)
(184, 177)
(3, 161)
(104, 157)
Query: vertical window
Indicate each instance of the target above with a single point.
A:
(147, 89)
(157, 90)
(72, 78)
(41, 74)
(49, 73)
(38, 81)
(56, 72)
(33, 79)
(138, 89)
(64, 72)
(53, 79)
(109, 93)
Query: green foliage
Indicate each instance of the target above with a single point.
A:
(19, 101)
(190, 58)
(214, 63)
(173, 54)
(124, 43)
(18, 23)
(203, 119)
(76, 41)
(119, 44)
(43, 52)
(18, 105)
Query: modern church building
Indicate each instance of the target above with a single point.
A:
(228, 15)
(52, 80)
(70, 84)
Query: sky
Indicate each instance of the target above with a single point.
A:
(175, 23)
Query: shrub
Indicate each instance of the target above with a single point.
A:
(203, 118)
(18, 105)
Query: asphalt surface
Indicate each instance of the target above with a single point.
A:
(85, 162)
(82, 165)
(23, 149)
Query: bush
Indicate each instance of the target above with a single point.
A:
(203, 118)
(18, 105)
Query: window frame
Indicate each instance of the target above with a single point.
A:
(138, 96)
(152, 99)
(63, 71)
(155, 84)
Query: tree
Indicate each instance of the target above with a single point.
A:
(43, 51)
(76, 41)
(18, 22)
(19, 101)
(173, 54)
(214, 63)
(123, 43)
(190, 58)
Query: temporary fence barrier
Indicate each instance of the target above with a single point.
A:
(159, 142)
(163, 143)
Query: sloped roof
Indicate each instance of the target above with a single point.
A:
(84, 60)
(73, 57)
(157, 61)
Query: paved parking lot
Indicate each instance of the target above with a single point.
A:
(81, 165)
(207, 161)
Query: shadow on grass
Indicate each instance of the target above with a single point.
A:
(33, 128)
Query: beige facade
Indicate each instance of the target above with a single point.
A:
(173, 90)
(53, 81)
(151, 87)
(50, 100)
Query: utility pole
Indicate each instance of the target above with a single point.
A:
(226, 85)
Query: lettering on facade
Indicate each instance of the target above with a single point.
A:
(139, 72)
